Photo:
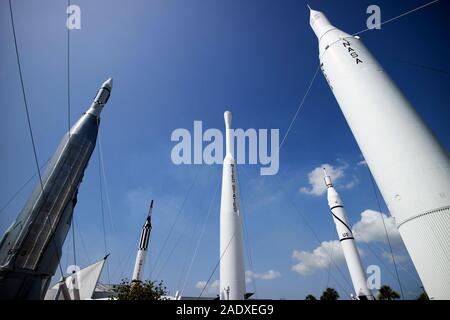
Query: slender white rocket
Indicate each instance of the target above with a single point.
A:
(347, 241)
(232, 274)
(410, 166)
(143, 246)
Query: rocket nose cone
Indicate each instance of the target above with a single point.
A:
(319, 22)
(327, 178)
(101, 98)
(108, 84)
(227, 117)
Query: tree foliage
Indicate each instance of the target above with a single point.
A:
(310, 297)
(386, 293)
(423, 296)
(329, 294)
(137, 290)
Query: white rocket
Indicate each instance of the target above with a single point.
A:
(232, 274)
(410, 166)
(143, 246)
(347, 241)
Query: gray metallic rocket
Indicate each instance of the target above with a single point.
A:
(31, 248)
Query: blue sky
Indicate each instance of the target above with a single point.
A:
(174, 62)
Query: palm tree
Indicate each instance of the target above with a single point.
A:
(329, 294)
(310, 297)
(386, 293)
(423, 296)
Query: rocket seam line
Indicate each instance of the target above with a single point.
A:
(334, 28)
(422, 214)
(346, 239)
(342, 222)
(338, 206)
(332, 44)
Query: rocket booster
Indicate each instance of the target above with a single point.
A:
(409, 165)
(232, 274)
(31, 248)
(143, 246)
(347, 241)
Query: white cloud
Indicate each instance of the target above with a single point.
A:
(269, 275)
(211, 288)
(350, 184)
(398, 258)
(362, 163)
(370, 228)
(319, 258)
(200, 284)
(316, 179)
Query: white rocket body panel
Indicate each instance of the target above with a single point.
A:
(411, 168)
(232, 273)
(139, 265)
(348, 244)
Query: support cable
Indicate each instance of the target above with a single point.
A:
(201, 236)
(397, 17)
(246, 235)
(313, 232)
(216, 266)
(102, 207)
(30, 129)
(20, 189)
(385, 231)
(180, 210)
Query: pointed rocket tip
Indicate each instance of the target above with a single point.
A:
(327, 178)
(108, 83)
(312, 11)
(227, 117)
(319, 23)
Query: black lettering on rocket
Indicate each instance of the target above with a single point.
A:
(352, 52)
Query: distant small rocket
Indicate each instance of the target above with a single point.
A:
(31, 248)
(143, 246)
(409, 165)
(347, 242)
(232, 273)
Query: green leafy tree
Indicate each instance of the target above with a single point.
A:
(137, 290)
(423, 296)
(310, 297)
(386, 293)
(329, 294)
